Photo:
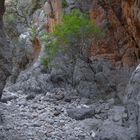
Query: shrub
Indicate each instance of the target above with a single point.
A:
(51, 49)
(64, 4)
(74, 35)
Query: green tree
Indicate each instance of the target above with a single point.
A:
(74, 35)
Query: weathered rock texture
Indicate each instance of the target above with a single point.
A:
(5, 52)
(120, 23)
(131, 14)
(133, 101)
(120, 46)
(27, 46)
(53, 9)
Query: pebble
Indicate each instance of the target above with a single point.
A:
(116, 118)
(41, 119)
(93, 134)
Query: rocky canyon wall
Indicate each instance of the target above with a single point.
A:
(5, 52)
(119, 21)
(118, 45)
(131, 15)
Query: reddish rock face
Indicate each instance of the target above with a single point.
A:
(5, 52)
(53, 8)
(119, 21)
(131, 15)
(121, 42)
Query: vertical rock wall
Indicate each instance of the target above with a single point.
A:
(53, 9)
(119, 46)
(131, 15)
(119, 21)
(5, 52)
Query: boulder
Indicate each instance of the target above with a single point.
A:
(132, 101)
(110, 131)
(80, 113)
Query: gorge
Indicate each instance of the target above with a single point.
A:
(62, 90)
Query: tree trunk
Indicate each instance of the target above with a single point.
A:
(5, 51)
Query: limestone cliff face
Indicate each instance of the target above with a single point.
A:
(120, 22)
(53, 9)
(120, 44)
(5, 52)
(131, 15)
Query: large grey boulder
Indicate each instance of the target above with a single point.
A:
(82, 5)
(132, 101)
(114, 128)
(80, 113)
(111, 131)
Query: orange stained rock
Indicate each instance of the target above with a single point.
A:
(37, 48)
(120, 21)
(54, 15)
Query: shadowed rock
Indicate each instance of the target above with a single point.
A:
(5, 52)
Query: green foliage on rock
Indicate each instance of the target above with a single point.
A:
(51, 49)
(64, 4)
(73, 35)
(75, 28)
